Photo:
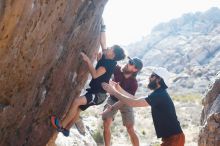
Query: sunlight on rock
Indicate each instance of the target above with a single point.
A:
(75, 139)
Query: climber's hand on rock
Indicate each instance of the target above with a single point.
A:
(85, 57)
(99, 56)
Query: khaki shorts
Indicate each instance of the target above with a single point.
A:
(127, 112)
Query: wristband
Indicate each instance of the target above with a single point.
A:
(103, 27)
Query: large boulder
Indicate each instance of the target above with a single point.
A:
(40, 67)
(210, 119)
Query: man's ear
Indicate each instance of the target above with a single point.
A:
(158, 80)
(136, 70)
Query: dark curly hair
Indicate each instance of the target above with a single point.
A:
(119, 53)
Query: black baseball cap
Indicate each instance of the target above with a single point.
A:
(136, 62)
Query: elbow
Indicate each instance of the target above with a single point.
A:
(94, 76)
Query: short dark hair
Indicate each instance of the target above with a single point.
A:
(119, 53)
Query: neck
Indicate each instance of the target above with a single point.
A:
(158, 86)
(127, 75)
(107, 57)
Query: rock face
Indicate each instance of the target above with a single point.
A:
(210, 119)
(75, 138)
(40, 67)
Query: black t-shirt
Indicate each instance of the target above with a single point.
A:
(163, 113)
(95, 84)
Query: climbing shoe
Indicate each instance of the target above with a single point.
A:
(64, 131)
(56, 124)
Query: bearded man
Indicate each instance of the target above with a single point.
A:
(126, 77)
(163, 111)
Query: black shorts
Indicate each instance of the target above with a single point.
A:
(93, 99)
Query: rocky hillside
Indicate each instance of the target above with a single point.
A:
(40, 66)
(188, 46)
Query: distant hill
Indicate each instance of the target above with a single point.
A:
(188, 46)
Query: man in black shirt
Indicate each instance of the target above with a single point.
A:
(164, 116)
(95, 94)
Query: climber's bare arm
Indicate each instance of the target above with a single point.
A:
(103, 36)
(103, 41)
(95, 73)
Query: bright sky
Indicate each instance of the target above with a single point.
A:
(127, 21)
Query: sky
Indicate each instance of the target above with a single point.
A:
(128, 21)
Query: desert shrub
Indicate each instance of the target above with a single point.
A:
(97, 136)
(143, 132)
(193, 97)
(156, 144)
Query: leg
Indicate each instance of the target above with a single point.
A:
(107, 120)
(107, 131)
(73, 111)
(132, 134)
(68, 126)
(128, 121)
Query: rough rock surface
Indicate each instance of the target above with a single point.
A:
(40, 66)
(210, 119)
(75, 138)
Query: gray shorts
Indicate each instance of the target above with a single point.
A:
(93, 99)
(127, 112)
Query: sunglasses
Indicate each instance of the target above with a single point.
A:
(131, 62)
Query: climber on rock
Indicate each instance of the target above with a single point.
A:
(95, 95)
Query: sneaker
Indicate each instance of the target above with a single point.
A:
(55, 122)
(64, 131)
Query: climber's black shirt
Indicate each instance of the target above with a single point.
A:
(163, 113)
(95, 84)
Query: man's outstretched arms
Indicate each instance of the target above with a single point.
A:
(126, 97)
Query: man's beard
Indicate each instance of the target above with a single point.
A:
(126, 71)
(152, 85)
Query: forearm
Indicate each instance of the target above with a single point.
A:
(130, 100)
(103, 41)
(117, 105)
(92, 70)
(126, 93)
(103, 36)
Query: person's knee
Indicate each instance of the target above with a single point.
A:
(79, 101)
(130, 128)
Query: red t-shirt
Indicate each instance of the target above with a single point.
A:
(128, 84)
